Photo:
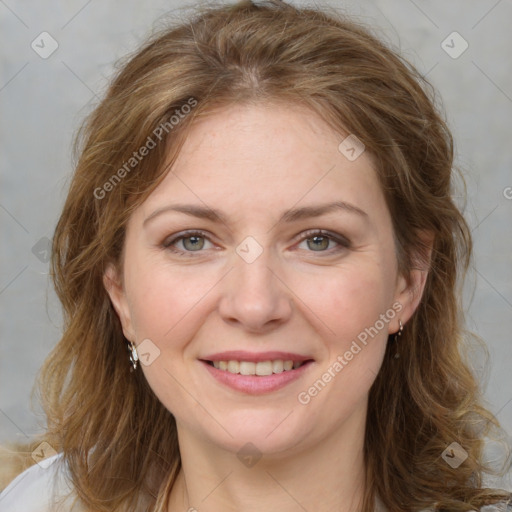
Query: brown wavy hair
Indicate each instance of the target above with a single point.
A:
(119, 441)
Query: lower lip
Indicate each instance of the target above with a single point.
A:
(255, 384)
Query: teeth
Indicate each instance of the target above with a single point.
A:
(232, 366)
(247, 368)
(277, 366)
(262, 368)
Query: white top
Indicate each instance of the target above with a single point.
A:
(39, 489)
(39, 486)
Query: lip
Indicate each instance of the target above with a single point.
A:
(255, 384)
(255, 357)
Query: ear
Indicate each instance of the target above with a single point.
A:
(112, 282)
(409, 289)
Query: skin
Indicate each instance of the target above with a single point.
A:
(253, 162)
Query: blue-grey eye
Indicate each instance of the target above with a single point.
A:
(195, 243)
(319, 242)
(191, 241)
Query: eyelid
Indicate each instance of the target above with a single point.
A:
(342, 241)
(172, 239)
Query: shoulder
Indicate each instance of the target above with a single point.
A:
(502, 506)
(43, 487)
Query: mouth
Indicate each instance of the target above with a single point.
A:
(256, 377)
(256, 373)
(260, 368)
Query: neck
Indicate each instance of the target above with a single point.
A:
(326, 476)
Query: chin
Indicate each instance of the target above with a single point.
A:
(265, 432)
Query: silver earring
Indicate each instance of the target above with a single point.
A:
(397, 335)
(134, 357)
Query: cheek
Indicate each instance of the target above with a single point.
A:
(350, 307)
(349, 304)
(347, 299)
(164, 298)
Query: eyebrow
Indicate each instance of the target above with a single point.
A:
(292, 215)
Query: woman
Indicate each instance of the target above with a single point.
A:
(261, 214)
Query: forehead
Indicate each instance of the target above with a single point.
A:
(265, 157)
(261, 132)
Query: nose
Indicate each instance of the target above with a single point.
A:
(254, 296)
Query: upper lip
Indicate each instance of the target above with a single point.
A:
(255, 357)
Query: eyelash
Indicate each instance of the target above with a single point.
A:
(343, 242)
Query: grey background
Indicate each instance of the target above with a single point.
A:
(42, 102)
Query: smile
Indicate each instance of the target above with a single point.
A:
(256, 378)
(261, 368)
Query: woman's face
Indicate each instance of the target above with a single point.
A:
(258, 280)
